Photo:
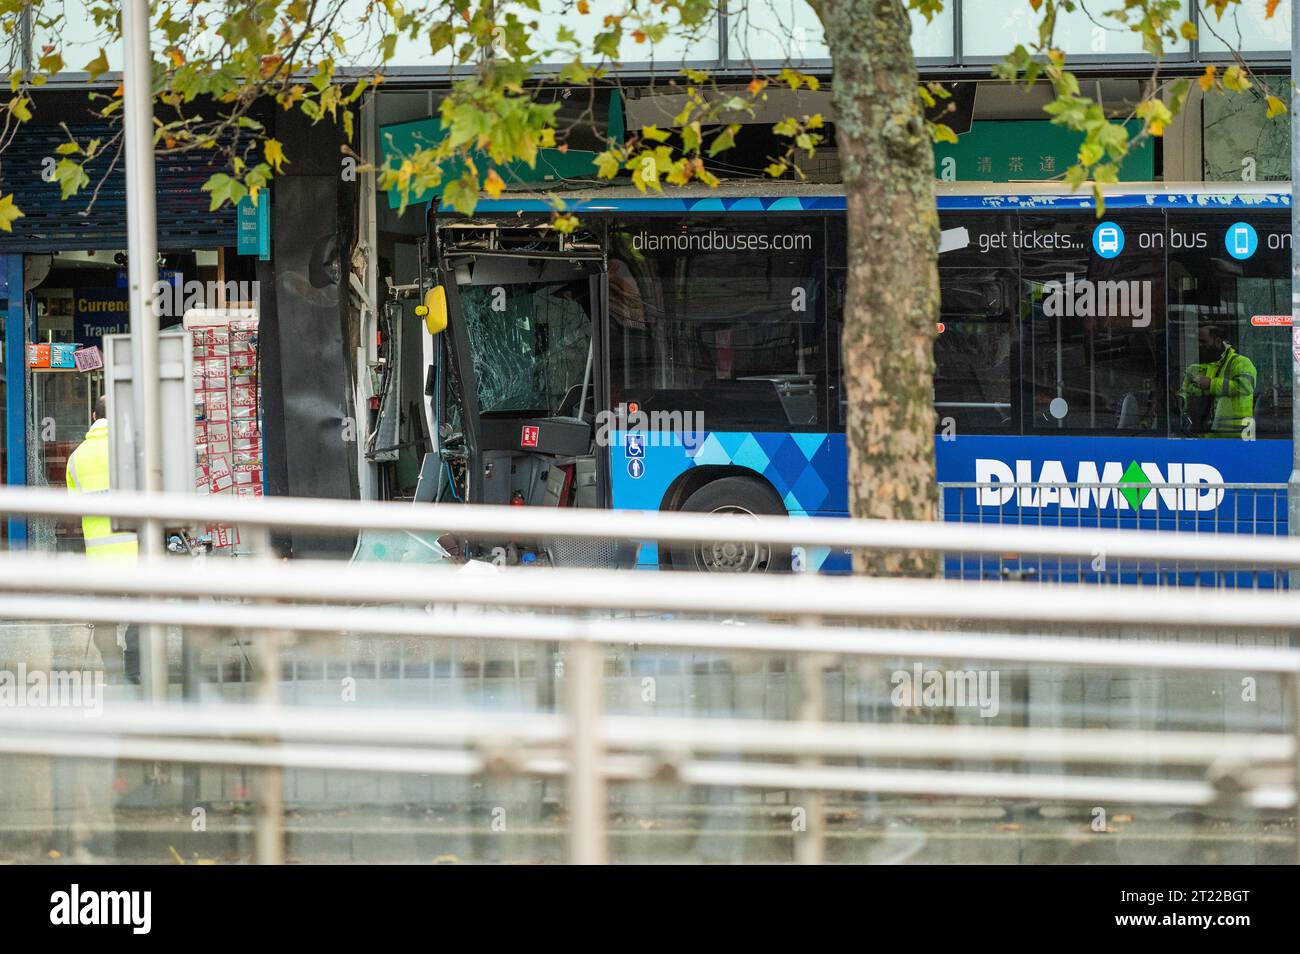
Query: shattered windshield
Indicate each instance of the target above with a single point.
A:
(529, 343)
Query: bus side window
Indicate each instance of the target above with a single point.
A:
(1093, 309)
(973, 351)
(1249, 299)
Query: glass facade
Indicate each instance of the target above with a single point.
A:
(1245, 27)
(992, 28)
(756, 31)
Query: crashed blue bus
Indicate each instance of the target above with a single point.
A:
(681, 352)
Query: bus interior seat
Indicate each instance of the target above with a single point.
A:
(1129, 413)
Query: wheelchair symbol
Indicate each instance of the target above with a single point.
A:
(635, 445)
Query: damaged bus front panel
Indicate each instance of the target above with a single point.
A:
(515, 380)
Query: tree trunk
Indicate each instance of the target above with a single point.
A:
(892, 302)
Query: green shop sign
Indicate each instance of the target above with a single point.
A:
(551, 169)
(997, 151)
(253, 226)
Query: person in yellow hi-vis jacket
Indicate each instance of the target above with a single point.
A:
(1218, 394)
(88, 474)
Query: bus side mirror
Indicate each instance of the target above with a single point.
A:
(434, 309)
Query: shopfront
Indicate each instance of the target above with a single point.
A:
(64, 285)
(74, 299)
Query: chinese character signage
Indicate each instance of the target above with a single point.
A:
(1028, 150)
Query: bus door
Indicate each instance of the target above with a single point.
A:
(521, 377)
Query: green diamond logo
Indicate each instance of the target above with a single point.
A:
(1141, 485)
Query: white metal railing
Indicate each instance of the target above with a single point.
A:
(815, 619)
(538, 522)
(643, 749)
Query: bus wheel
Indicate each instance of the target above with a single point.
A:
(740, 496)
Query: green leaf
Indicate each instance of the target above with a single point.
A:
(1234, 79)
(274, 152)
(1178, 91)
(645, 171)
(221, 189)
(941, 132)
(98, 66)
(691, 137)
(608, 164)
(71, 177)
(462, 194)
(8, 213)
(1090, 153)
(724, 140)
(1107, 173)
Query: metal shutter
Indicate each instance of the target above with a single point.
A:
(51, 224)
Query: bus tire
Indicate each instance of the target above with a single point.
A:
(734, 495)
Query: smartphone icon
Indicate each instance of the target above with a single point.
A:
(1240, 240)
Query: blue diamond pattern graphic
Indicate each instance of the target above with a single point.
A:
(809, 443)
(788, 463)
(810, 490)
(750, 454)
(710, 452)
(793, 463)
(730, 442)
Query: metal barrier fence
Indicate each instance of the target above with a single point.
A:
(814, 620)
(1244, 509)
